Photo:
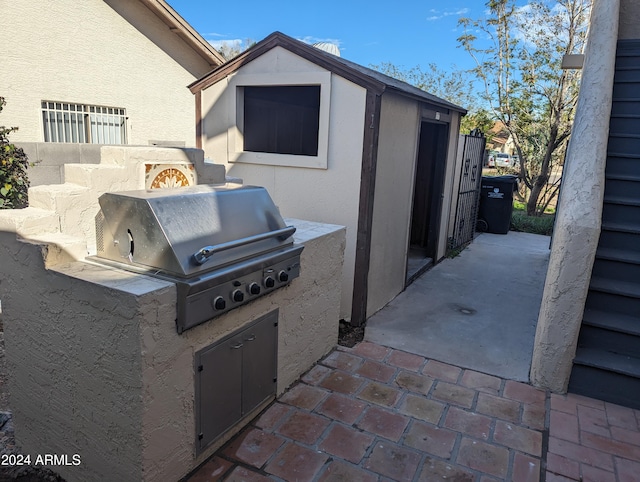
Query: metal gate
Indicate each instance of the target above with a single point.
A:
(473, 146)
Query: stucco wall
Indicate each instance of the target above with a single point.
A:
(629, 20)
(74, 366)
(579, 216)
(97, 368)
(326, 195)
(395, 173)
(85, 52)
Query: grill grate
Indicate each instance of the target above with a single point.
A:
(99, 220)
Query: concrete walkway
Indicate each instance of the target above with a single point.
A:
(433, 394)
(478, 310)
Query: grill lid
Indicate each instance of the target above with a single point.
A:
(189, 230)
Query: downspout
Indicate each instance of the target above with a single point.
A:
(198, 98)
(578, 222)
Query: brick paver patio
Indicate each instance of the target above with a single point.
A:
(371, 413)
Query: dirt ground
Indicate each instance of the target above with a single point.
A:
(350, 335)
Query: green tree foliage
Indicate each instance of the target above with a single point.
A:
(518, 52)
(455, 86)
(14, 182)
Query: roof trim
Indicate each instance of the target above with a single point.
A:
(278, 39)
(371, 80)
(186, 32)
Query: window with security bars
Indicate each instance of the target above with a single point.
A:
(93, 124)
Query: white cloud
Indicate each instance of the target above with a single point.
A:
(437, 14)
(213, 34)
(461, 11)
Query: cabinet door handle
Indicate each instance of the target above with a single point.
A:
(251, 338)
(236, 346)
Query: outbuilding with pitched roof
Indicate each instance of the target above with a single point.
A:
(337, 142)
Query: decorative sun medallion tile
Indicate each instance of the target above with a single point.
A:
(160, 176)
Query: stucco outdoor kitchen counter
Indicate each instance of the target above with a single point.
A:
(97, 368)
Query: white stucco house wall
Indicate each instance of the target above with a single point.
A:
(98, 72)
(361, 149)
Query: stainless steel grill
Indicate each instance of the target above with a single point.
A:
(223, 245)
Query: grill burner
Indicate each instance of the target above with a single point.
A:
(222, 245)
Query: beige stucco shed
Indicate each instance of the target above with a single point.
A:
(336, 142)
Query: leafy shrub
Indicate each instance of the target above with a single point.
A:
(14, 182)
(532, 224)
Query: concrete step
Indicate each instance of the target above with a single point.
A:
(619, 240)
(29, 221)
(76, 206)
(61, 248)
(617, 267)
(629, 256)
(612, 303)
(606, 376)
(599, 335)
(623, 187)
(621, 227)
(623, 166)
(625, 106)
(48, 196)
(613, 321)
(616, 287)
(625, 123)
(103, 178)
(620, 213)
(620, 144)
(626, 87)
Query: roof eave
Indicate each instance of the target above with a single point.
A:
(278, 39)
(186, 32)
(321, 58)
(428, 100)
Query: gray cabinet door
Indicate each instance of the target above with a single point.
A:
(234, 376)
(219, 403)
(259, 358)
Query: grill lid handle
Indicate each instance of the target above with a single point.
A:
(203, 254)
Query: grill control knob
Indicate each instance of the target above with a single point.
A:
(254, 289)
(283, 276)
(237, 296)
(269, 282)
(219, 303)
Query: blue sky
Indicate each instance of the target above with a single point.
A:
(407, 33)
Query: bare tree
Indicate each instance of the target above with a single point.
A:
(231, 48)
(518, 52)
(455, 86)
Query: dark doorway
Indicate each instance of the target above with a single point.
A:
(427, 198)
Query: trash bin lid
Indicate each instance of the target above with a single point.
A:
(505, 178)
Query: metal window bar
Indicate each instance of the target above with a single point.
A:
(66, 122)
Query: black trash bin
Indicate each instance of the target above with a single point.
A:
(496, 203)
